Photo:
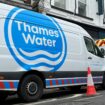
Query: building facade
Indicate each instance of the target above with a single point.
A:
(87, 13)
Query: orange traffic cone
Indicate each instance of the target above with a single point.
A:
(90, 85)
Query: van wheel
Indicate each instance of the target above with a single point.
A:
(3, 96)
(31, 88)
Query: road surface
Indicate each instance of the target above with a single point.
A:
(65, 97)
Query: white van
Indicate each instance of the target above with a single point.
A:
(38, 51)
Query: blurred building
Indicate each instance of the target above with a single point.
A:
(87, 13)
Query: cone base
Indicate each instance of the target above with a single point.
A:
(91, 90)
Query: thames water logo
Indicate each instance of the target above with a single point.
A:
(35, 41)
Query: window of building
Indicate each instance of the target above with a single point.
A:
(82, 7)
(23, 1)
(19, 3)
(59, 3)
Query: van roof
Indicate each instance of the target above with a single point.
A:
(74, 27)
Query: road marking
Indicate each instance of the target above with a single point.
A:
(83, 99)
(54, 99)
(36, 103)
(75, 96)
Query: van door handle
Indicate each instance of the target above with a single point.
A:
(89, 57)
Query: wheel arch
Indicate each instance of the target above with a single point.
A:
(34, 72)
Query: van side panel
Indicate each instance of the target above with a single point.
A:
(35, 42)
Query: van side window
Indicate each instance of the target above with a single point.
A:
(89, 45)
(98, 52)
(92, 48)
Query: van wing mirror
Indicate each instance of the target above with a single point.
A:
(102, 51)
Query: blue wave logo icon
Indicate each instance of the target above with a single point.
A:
(36, 41)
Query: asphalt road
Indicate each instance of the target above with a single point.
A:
(65, 97)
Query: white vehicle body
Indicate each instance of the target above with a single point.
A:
(57, 51)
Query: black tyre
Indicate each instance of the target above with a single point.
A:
(3, 96)
(31, 88)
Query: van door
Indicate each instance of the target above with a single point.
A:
(94, 55)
